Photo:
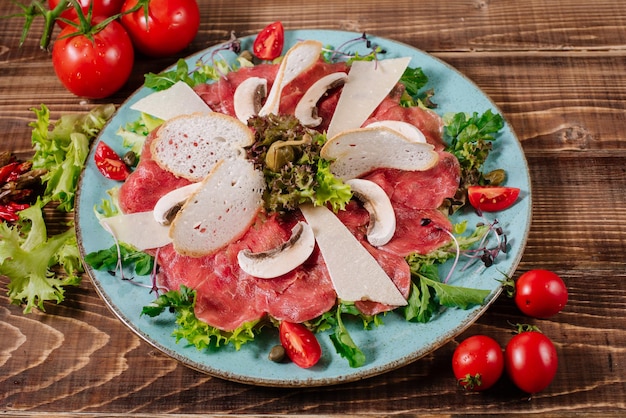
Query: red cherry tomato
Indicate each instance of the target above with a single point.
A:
(109, 163)
(269, 43)
(300, 344)
(478, 363)
(101, 8)
(492, 198)
(93, 68)
(531, 361)
(540, 293)
(170, 27)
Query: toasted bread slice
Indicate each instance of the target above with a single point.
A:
(359, 151)
(220, 211)
(190, 146)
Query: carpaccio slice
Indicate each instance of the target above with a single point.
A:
(227, 297)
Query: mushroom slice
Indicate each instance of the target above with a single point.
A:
(168, 205)
(282, 259)
(411, 132)
(306, 110)
(382, 223)
(357, 152)
(248, 98)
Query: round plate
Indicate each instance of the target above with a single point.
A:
(387, 347)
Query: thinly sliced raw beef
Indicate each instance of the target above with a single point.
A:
(147, 183)
(414, 234)
(220, 95)
(429, 122)
(421, 189)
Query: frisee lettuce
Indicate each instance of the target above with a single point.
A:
(196, 332)
(63, 150)
(27, 256)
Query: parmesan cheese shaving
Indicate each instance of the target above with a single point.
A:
(355, 273)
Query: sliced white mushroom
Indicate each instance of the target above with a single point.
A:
(282, 259)
(411, 132)
(168, 205)
(357, 152)
(382, 223)
(248, 98)
(306, 109)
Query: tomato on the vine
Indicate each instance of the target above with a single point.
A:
(96, 64)
(531, 361)
(478, 363)
(109, 163)
(100, 8)
(492, 198)
(268, 44)
(300, 344)
(170, 26)
(540, 293)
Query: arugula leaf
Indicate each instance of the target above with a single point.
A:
(27, 254)
(200, 75)
(108, 259)
(344, 345)
(198, 333)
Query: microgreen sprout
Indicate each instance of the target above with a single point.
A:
(482, 251)
(339, 51)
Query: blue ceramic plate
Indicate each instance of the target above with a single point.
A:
(390, 346)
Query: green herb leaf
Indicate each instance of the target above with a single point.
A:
(108, 259)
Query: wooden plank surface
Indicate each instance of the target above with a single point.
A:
(557, 71)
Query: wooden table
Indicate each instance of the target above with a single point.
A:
(557, 70)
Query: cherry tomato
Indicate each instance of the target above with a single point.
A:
(300, 344)
(540, 293)
(93, 68)
(478, 363)
(109, 163)
(170, 27)
(269, 43)
(531, 361)
(101, 8)
(492, 198)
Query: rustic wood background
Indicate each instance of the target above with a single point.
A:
(556, 69)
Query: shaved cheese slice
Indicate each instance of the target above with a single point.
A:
(355, 273)
(368, 83)
(180, 99)
(298, 59)
(137, 229)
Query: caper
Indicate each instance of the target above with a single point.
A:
(130, 159)
(277, 353)
(278, 155)
(496, 177)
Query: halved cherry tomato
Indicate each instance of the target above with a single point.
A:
(492, 198)
(109, 163)
(269, 43)
(300, 344)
